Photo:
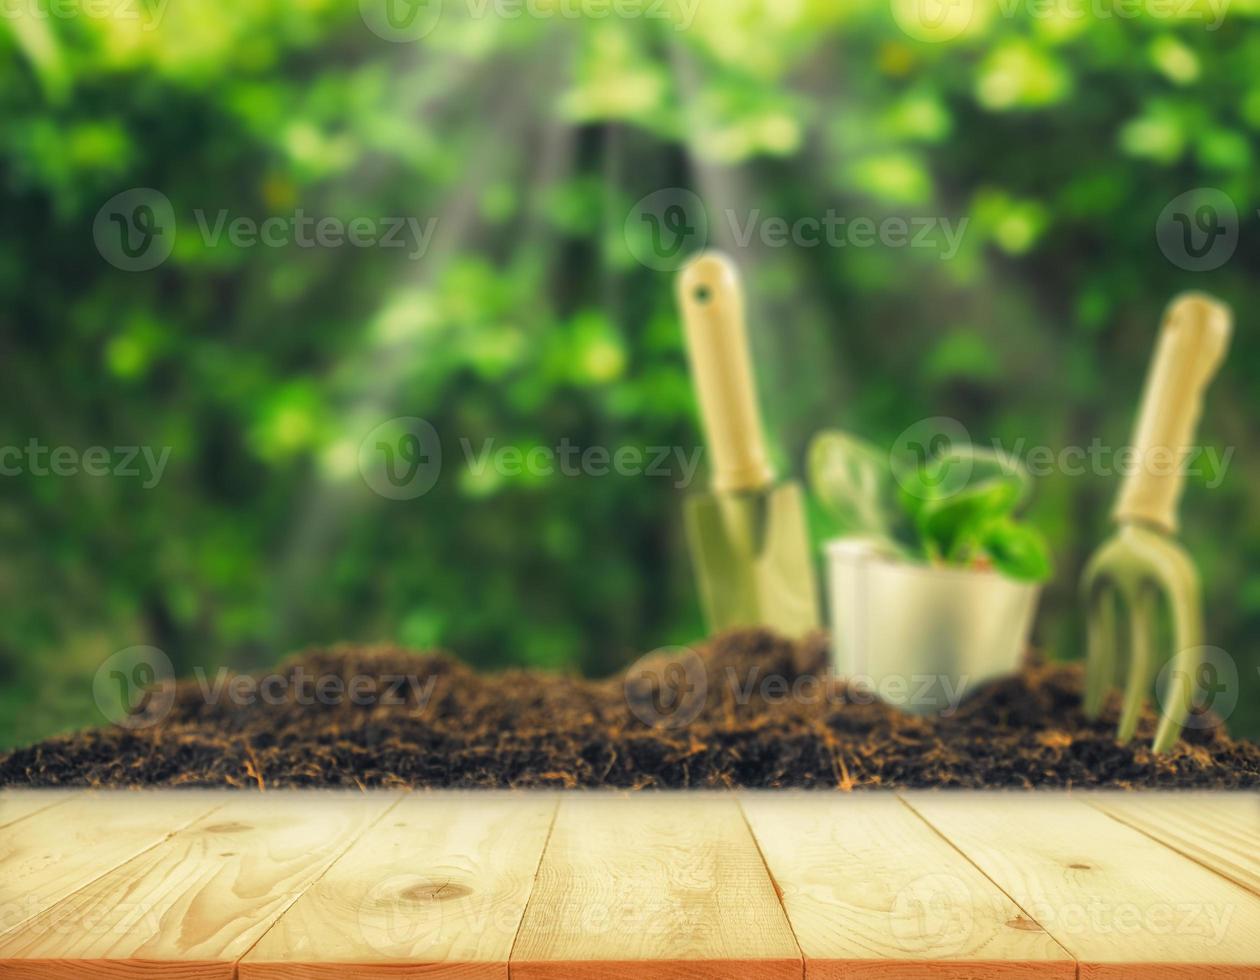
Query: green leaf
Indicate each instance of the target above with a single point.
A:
(852, 480)
(1016, 550)
(955, 494)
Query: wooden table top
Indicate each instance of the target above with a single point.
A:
(294, 884)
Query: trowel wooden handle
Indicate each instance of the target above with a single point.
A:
(717, 346)
(1192, 343)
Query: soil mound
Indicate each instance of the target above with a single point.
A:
(745, 709)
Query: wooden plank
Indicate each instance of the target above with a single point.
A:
(436, 889)
(18, 804)
(654, 887)
(64, 848)
(1122, 904)
(195, 903)
(1219, 830)
(872, 891)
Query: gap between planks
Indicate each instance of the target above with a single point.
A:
(871, 891)
(193, 903)
(1220, 831)
(1122, 903)
(778, 891)
(436, 888)
(16, 805)
(653, 886)
(551, 827)
(52, 853)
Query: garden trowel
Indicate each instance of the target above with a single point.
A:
(747, 535)
(1142, 570)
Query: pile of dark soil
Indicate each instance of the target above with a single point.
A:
(746, 709)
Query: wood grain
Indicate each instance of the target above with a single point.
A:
(436, 889)
(871, 890)
(1124, 905)
(200, 898)
(58, 850)
(1219, 830)
(281, 886)
(653, 886)
(18, 804)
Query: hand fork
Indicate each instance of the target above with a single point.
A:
(1142, 566)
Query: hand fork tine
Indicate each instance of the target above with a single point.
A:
(1103, 639)
(1142, 611)
(1186, 606)
(1142, 563)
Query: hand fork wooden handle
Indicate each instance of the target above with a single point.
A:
(1142, 566)
(1191, 346)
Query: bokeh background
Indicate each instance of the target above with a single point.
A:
(538, 313)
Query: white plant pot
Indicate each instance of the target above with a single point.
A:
(919, 636)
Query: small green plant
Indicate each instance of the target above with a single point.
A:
(953, 506)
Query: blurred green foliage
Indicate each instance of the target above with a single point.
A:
(529, 321)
